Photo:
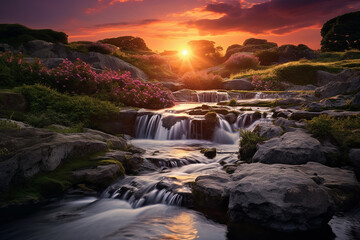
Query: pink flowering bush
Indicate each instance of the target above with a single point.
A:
(267, 84)
(79, 78)
(240, 61)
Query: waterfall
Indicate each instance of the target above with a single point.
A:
(212, 96)
(151, 196)
(225, 133)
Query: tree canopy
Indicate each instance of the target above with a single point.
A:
(341, 33)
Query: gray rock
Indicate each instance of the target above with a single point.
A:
(34, 150)
(268, 130)
(101, 176)
(280, 197)
(339, 101)
(354, 83)
(288, 125)
(332, 89)
(291, 148)
(103, 61)
(316, 106)
(238, 84)
(41, 49)
(171, 120)
(209, 191)
(231, 118)
(52, 62)
(324, 78)
(307, 87)
(6, 47)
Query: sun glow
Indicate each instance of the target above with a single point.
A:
(185, 52)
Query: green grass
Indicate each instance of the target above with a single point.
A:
(343, 132)
(54, 183)
(248, 143)
(47, 106)
(304, 71)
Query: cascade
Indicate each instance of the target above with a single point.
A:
(212, 96)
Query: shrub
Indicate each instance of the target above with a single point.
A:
(267, 84)
(202, 80)
(152, 59)
(99, 47)
(267, 57)
(78, 78)
(232, 102)
(16, 34)
(48, 107)
(300, 74)
(239, 61)
(248, 143)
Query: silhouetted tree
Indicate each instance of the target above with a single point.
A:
(128, 43)
(206, 50)
(341, 33)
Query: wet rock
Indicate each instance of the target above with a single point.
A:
(185, 95)
(222, 111)
(279, 198)
(268, 130)
(209, 192)
(291, 148)
(238, 84)
(171, 120)
(12, 101)
(231, 118)
(324, 78)
(288, 125)
(209, 153)
(133, 164)
(101, 176)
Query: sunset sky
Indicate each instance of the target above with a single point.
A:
(170, 24)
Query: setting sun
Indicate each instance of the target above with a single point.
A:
(185, 52)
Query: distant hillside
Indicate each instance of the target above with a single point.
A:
(128, 43)
(16, 34)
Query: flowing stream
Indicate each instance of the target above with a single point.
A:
(151, 205)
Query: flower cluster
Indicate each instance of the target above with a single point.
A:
(240, 61)
(267, 84)
(79, 78)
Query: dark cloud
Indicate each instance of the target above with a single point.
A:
(276, 16)
(136, 23)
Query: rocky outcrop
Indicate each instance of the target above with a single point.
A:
(295, 147)
(51, 54)
(100, 176)
(324, 78)
(238, 84)
(294, 53)
(33, 150)
(356, 101)
(280, 197)
(185, 95)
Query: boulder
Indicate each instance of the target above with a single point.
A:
(209, 191)
(42, 49)
(238, 84)
(268, 130)
(52, 62)
(171, 120)
(339, 101)
(332, 89)
(354, 157)
(33, 150)
(100, 177)
(231, 118)
(103, 61)
(324, 78)
(209, 153)
(6, 47)
(294, 53)
(280, 197)
(354, 83)
(291, 148)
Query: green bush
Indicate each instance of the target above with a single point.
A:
(248, 143)
(16, 34)
(232, 102)
(267, 57)
(202, 81)
(343, 132)
(48, 107)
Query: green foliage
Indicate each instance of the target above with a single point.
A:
(248, 143)
(341, 33)
(202, 80)
(232, 102)
(16, 34)
(48, 107)
(77, 128)
(128, 43)
(267, 57)
(344, 132)
(8, 124)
